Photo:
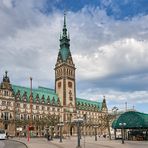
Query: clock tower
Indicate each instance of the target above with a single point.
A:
(65, 73)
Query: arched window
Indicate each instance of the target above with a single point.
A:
(6, 126)
(10, 116)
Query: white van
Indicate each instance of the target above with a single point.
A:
(2, 134)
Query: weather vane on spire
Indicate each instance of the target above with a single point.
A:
(64, 26)
(64, 18)
(6, 73)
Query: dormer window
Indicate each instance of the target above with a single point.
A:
(37, 98)
(53, 101)
(43, 98)
(48, 100)
(5, 93)
(25, 96)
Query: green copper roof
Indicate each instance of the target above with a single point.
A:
(132, 119)
(40, 91)
(48, 93)
(88, 104)
(64, 53)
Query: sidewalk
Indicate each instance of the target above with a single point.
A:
(36, 142)
(87, 142)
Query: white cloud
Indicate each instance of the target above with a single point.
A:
(125, 56)
(118, 98)
(101, 46)
(7, 3)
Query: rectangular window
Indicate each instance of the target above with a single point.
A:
(8, 103)
(5, 115)
(18, 105)
(24, 105)
(18, 116)
(25, 116)
(37, 107)
(4, 103)
(5, 93)
(37, 116)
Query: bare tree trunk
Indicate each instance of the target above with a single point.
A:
(108, 126)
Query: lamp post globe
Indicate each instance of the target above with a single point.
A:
(122, 125)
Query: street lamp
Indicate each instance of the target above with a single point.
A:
(95, 126)
(69, 128)
(60, 125)
(51, 127)
(122, 125)
(78, 121)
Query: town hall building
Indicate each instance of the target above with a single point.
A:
(44, 108)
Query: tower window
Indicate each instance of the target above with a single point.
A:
(70, 95)
(59, 84)
(70, 84)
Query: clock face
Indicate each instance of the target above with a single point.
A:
(70, 84)
(59, 84)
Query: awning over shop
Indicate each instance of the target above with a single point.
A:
(133, 120)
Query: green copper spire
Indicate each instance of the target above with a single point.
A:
(64, 42)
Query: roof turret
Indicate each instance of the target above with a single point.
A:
(104, 106)
(6, 82)
(5, 77)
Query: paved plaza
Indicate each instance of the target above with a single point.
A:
(87, 142)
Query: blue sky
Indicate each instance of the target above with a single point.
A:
(117, 9)
(109, 44)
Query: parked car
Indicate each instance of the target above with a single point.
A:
(2, 134)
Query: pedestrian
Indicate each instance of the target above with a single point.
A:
(48, 137)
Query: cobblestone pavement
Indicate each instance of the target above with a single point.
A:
(87, 142)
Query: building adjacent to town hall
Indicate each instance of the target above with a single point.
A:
(43, 108)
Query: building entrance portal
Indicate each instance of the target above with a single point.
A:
(71, 130)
